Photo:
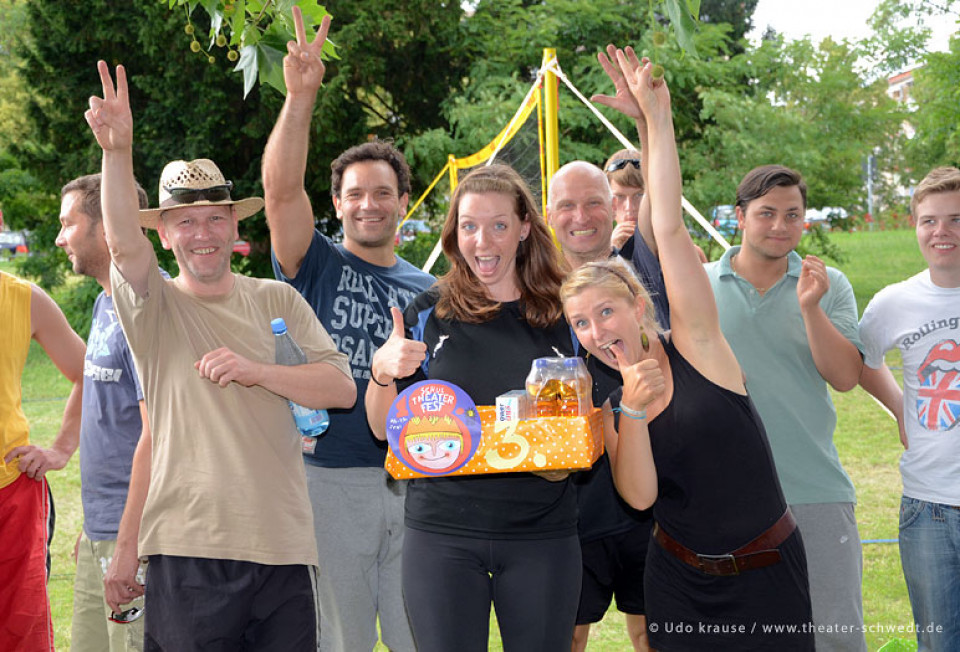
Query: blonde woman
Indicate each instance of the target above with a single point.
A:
(726, 567)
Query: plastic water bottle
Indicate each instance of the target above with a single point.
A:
(310, 423)
(575, 397)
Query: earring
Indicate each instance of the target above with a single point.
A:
(644, 340)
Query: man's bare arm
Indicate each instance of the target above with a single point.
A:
(65, 348)
(289, 213)
(120, 583)
(110, 120)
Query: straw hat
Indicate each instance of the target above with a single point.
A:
(196, 183)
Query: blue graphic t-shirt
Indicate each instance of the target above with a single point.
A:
(352, 299)
(110, 424)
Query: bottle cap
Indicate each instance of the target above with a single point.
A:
(278, 326)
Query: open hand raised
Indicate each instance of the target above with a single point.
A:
(302, 68)
(109, 117)
(622, 100)
(651, 94)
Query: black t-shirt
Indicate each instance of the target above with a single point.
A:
(487, 360)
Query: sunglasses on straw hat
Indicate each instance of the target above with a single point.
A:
(196, 183)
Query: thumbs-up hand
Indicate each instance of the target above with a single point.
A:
(643, 381)
(398, 357)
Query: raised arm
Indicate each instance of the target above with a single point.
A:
(837, 358)
(623, 101)
(112, 124)
(65, 349)
(693, 312)
(289, 214)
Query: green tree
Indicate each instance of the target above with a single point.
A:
(936, 119)
(185, 107)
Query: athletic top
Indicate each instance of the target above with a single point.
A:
(717, 484)
(15, 335)
(487, 360)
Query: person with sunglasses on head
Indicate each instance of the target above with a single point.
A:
(613, 535)
(111, 423)
(351, 286)
(217, 495)
(725, 565)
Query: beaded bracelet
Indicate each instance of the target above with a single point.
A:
(637, 415)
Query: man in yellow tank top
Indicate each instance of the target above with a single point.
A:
(28, 313)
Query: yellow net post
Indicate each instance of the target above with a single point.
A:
(551, 110)
(454, 177)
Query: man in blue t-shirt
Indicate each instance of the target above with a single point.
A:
(358, 508)
(111, 423)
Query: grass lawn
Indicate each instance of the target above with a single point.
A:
(866, 438)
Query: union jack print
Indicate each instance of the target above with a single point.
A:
(938, 398)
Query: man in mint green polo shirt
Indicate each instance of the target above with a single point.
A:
(792, 324)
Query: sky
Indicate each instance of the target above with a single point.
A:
(836, 18)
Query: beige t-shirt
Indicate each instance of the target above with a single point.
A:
(227, 478)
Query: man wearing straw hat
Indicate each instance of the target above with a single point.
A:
(357, 507)
(226, 525)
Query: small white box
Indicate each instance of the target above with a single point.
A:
(513, 406)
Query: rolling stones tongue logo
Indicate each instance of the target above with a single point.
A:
(938, 398)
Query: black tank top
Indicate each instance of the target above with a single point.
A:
(717, 484)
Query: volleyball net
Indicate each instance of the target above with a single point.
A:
(529, 143)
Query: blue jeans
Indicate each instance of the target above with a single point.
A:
(930, 555)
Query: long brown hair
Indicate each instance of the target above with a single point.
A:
(463, 296)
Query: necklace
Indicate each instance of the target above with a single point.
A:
(733, 266)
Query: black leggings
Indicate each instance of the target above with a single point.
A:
(449, 582)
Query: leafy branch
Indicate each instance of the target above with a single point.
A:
(254, 34)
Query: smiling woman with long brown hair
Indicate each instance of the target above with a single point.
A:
(506, 538)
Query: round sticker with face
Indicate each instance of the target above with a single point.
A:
(433, 427)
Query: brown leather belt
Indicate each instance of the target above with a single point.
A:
(760, 552)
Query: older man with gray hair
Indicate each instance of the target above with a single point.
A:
(613, 535)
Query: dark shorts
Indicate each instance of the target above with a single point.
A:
(226, 605)
(613, 566)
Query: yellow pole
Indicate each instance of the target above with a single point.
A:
(454, 180)
(551, 109)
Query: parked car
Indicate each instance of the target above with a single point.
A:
(828, 216)
(241, 247)
(13, 243)
(724, 219)
(813, 219)
(409, 230)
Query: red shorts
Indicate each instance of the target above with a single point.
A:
(25, 622)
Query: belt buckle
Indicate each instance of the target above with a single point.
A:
(716, 559)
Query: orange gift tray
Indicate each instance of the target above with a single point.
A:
(541, 444)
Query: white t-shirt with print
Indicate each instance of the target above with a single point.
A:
(923, 321)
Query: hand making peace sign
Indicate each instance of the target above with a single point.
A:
(302, 68)
(109, 117)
